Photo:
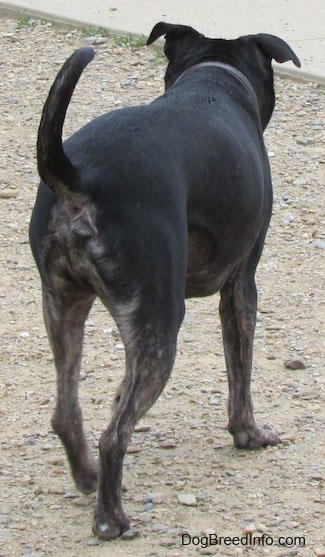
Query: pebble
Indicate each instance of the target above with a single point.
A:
(294, 364)
(93, 542)
(305, 141)
(187, 499)
(250, 529)
(130, 534)
(168, 542)
(8, 194)
(71, 495)
(168, 444)
(96, 399)
(300, 182)
(142, 428)
(319, 244)
(159, 528)
(95, 40)
(133, 450)
(288, 217)
(56, 461)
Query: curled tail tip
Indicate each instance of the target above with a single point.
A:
(54, 167)
(87, 53)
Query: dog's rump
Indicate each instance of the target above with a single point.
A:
(150, 174)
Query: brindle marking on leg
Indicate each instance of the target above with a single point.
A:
(72, 250)
(238, 302)
(64, 318)
(148, 367)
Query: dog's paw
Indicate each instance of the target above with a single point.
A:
(256, 438)
(110, 529)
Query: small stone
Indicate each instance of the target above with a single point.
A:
(168, 542)
(70, 495)
(168, 444)
(56, 461)
(319, 244)
(24, 334)
(305, 141)
(294, 364)
(7, 194)
(187, 499)
(133, 450)
(159, 528)
(96, 399)
(250, 529)
(288, 217)
(142, 428)
(299, 182)
(288, 440)
(148, 507)
(95, 40)
(130, 534)
(320, 551)
(173, 531)
(93, 542)
(208, 551)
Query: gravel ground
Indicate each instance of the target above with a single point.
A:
(181, 473)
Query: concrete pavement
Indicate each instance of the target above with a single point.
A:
(299, 22)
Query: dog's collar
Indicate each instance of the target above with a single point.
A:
(230, 69)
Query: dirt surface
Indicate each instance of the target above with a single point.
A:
(181, 447)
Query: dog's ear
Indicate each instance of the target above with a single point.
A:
(171, 30)
(174, 34)
(276, 48)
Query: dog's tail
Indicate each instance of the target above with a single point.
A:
(54, 166)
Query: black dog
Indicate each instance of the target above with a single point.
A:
(144, 207)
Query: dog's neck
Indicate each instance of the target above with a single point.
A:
(230, 69)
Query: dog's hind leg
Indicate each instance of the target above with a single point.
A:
(238, 305)
(65, 317)
(150, 353)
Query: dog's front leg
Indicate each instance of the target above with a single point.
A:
(238, 304)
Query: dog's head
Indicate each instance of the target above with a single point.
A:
(251, 55)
